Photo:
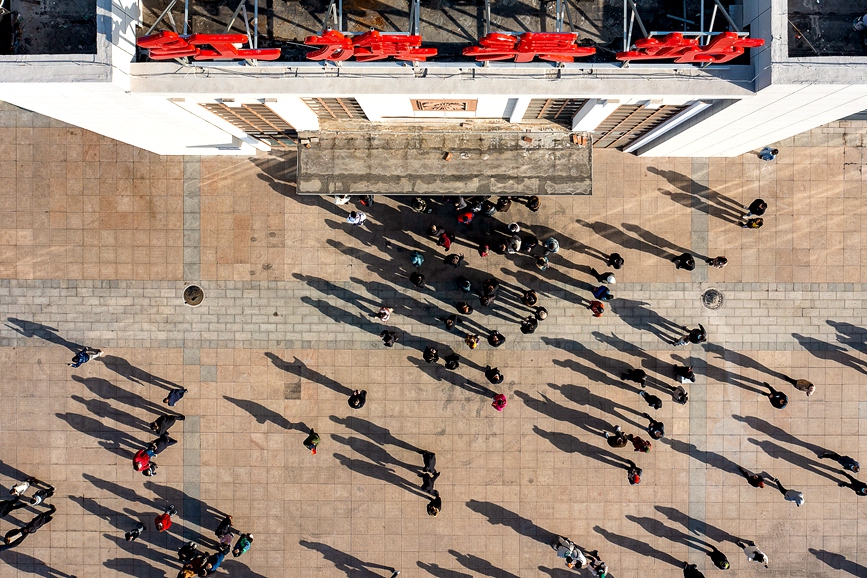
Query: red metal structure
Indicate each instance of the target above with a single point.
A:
(367, 47)
(724, 47)
(170, 45)
(552, 46)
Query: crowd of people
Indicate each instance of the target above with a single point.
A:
(501, 237)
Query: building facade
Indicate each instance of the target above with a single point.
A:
(241, 107)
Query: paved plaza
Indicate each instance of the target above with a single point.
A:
(98, 241)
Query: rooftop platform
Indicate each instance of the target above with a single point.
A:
(448, 25)
(825, 28)
(48, 27)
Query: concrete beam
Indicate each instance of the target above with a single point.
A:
(593, 113)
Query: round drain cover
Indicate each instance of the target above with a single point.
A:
(193, 295)
(712, 299)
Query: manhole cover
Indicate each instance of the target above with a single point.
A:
(712, 299)
(193, 295)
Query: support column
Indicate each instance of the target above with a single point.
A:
(520, 108)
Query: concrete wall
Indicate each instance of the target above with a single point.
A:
(777, 112)
(381, 108)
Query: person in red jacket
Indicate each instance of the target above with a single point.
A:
(141, 460)
(164, 521)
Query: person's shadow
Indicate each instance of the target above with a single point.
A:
(32, 329)
(24, 563)
(498, 515)
(373, 432)
(633, 545)
(299, 368)
(353, 567)
(264, 415)
(851, 335)
(829, 351)
(480, 565)
(136, 375)
(839, 562)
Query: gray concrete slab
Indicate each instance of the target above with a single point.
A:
(428, 160)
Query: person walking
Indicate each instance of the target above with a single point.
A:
(164, 521)
(684, 261)
(496, 339)
(652, 400)
(691, 571)
(514, 244)
(141, 460)
(85, 355)
(188, 552)
(684, 373)
(541, 314)
(416, 259)
(356, 218)
(490, 286)
(529, 298)
(633, 473)
(214, 562)
(435, 505)
(717, 262)
(596, 308)
(606, 278)
(487, 300)
(848, 463)
(778, 399)
(175, 396)
(528, 243)
(384, 313)
(599, 568)
(542, 263)
(529, 325)
(602, 293)
(617, 439)
(18, 489)
(224, 527)
(417, 279)
(567, 549)
(311, 441)
(615, 261)
(678, 394)
(768, 153)
(552, 246)
(454, 260)
(752, 553)
(464, 285)
(428, 481)
(160, 444)
(499, 402)
(133, 534)
(464, 308)
(430, 462)
(718, 558)
(453, 361)
(756, 209)
(163, 423)
(450, 321)
(695, 336)
(242, 546)
(357, 399)
(388, 338)
(790, 495)
(755, 480)
(430, 354)
(655, 429)
(755, 223)
(639, 376)
(42, 493)
(857, 486)
(493, 375)
(504, 204)
(472, 340)
(638, 444)
(802, 385)
(445, 241)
